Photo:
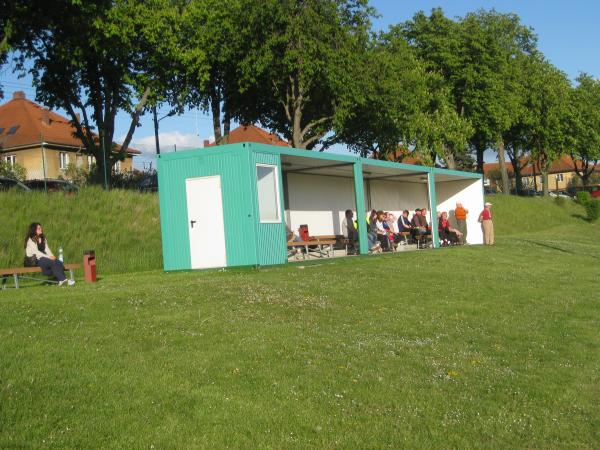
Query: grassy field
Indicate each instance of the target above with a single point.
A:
(495, 347)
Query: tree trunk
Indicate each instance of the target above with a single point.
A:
(226, 126)
(544, 181)
(479, 150)
(518, 179)
(450, 162)
(215, 107)
(502, 164)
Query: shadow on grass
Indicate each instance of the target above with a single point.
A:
(579, 216)
(559, 249)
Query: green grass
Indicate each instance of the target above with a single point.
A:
(493, 347)
(123, 227)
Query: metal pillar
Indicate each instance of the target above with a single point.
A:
(359, 194)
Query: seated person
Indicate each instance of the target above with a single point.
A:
(392, 226)
(372, 232)
(38, 253)
(448, 235)
(424, 223)
(350, 232)
(417, 224)
(404, 224)
(382, 235)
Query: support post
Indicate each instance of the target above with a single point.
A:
(16, 277)
(435, 238)
(359, 195)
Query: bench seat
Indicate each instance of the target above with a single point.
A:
(18, 272)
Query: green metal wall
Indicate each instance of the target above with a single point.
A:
(231, 163)
(270, 237)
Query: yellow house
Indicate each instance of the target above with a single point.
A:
(42, 141)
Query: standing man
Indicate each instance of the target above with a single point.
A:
(485, 218)
(460, 213)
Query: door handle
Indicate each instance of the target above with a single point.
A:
(192, 222)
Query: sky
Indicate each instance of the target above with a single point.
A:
(568, 34)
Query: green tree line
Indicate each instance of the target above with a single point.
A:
(315, 71)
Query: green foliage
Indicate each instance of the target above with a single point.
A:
(583, 197)
(592, 209)
(79, 176)
(14, 171)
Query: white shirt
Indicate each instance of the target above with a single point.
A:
(32, 249)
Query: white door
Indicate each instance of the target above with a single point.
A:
(205, 222)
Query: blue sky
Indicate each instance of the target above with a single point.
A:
(568, 32)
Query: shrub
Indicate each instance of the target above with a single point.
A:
(583, 197)
(14, 171)
(592, 209)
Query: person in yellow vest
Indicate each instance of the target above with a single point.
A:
(485, 218)
(460, 214)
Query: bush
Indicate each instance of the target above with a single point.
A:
(592, 209)
(583, 197)
(15, 171)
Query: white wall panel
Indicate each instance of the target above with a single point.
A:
(396, 196)
(319, 202)
(470, 194)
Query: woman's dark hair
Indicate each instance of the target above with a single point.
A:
(31, 231)
(349, 213)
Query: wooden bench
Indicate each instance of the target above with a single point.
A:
(324, 246)
(22, 272)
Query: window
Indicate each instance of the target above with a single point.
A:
(13, 130)
(560, 177)
(91, 161)
(63, 160)
(1, 130)
(117, 167)
(268, 193)
(10, 159)
(486, 182)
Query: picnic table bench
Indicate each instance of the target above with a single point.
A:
(22, 272)
(318, 246)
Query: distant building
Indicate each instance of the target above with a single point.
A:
(42, 141)
(561, 172)
(251, 133)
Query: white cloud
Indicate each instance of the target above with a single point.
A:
(168, 141)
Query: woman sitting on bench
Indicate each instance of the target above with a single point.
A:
(447, 234)
(37, 253)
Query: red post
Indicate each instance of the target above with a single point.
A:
(89, 266)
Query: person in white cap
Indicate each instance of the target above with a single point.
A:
(485, 218)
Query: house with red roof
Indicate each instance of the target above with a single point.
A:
(251, 133)
(560, 173)
(42, 141)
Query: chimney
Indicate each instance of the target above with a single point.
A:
(45, 117)
(206, 143)
(18, 95)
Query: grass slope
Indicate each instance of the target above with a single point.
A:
(460, 347)
(122, 226)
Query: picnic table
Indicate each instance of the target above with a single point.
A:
(317, 246)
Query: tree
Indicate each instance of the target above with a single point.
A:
(306, 73)
(547, 121)
(584, 128)
(474, 56)
(99, 58)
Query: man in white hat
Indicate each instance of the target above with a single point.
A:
(485, 218)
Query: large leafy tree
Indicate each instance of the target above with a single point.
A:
(584, 127)
(474, 55)
(306, 73)
(94, 59)
(546, 122)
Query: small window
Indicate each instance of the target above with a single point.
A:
(1, 130)
(11, 160)
(268, 193)
(90, 161)
(117, 167)
(13, 130)
(63, 160)
(559, 177)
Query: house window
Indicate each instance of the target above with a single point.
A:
(11, 160)
(13, 130)
(486, 182)
(117, 166)
(90, 161)
(63, 160)
(559, 177)
(268, 193)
